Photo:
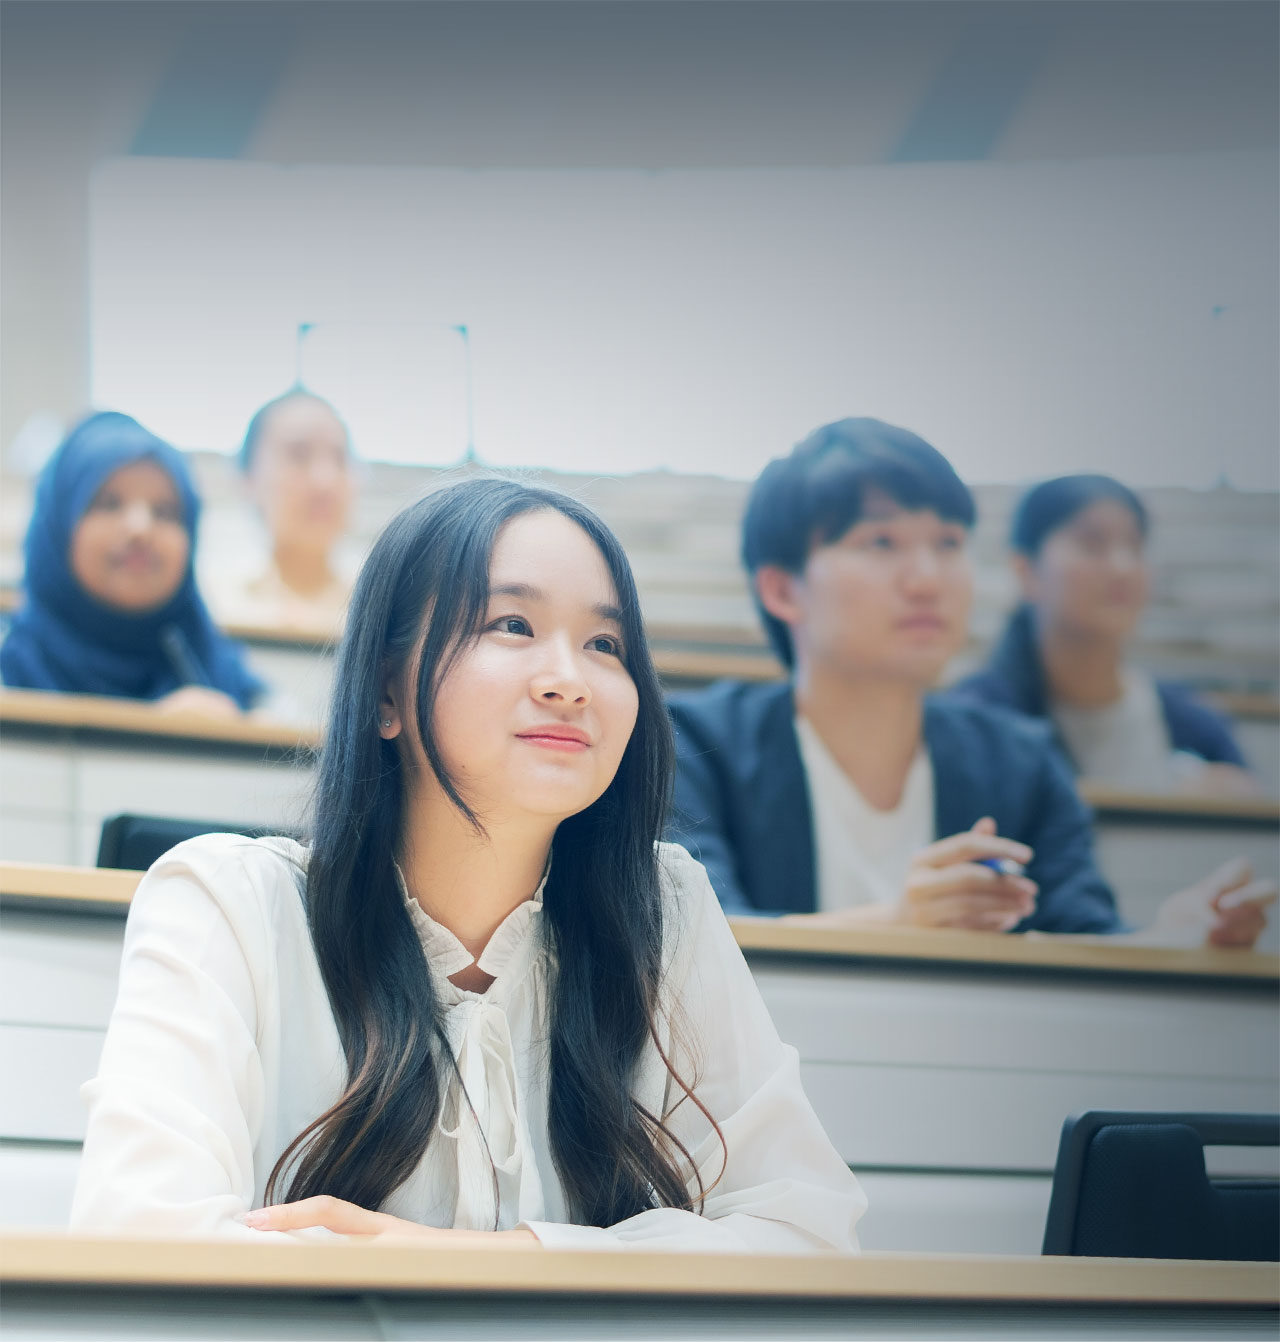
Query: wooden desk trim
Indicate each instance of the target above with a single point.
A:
(729, 641)
(712, 652)
(1245, 705)
(992, 950)
(109, 890)
(55, 887)
(409, 1266)
(99, 713)
(730, 645)
(323, 640)
(1110, 801)
(83, 712)
(703, 665)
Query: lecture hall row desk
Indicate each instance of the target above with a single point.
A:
(300, 663)
(67, 762)
(942, 1064)
(129, 1289)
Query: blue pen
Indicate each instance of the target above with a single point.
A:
(1002, 866)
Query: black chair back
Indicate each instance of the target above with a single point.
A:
(135, 841)
(1133, 1185)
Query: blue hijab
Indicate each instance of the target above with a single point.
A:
(63, 638)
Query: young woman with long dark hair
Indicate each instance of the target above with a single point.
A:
(484, 999)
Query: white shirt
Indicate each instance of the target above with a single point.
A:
(222, 1047)
(264, 600)
(861, 853)
(1125, 743)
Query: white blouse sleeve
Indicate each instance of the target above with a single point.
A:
(783, 1188)
(176, 1107)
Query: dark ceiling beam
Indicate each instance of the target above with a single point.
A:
(974, 96)
(223, 76)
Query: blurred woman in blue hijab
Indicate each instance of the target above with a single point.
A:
(111, 605)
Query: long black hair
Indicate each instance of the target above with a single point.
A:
(602, 906)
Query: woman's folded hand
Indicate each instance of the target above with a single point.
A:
(345, 1218)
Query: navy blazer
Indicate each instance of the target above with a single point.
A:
(742, 801)
(1014, 678)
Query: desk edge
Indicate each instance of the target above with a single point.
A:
(407, 1266)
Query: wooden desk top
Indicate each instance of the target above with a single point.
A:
(682, 663)
(37, 708)
(733, 651)
(320, 638)
(133, 717)
(49, 887)
(701, 652)
(407, 1266)
(1118, 802)
(701, 664)
(76, 889)
(993, 950)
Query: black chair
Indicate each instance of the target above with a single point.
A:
(1134, 1186)
(135, 841)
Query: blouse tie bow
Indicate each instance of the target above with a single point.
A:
(480, 1115)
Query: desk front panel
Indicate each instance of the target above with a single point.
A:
(136, 1288)
(945, 1088)
(60, 786)
(980, 1068)
(36, 1314)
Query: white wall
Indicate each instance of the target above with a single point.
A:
(1029, 318)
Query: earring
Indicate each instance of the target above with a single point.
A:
(386, 722)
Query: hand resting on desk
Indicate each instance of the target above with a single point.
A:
(1228, 908)
(947, 885)
(198, 699)
(345, 1218)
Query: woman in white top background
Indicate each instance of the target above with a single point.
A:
(484, 1001)
(1079, 551)
(298, 470)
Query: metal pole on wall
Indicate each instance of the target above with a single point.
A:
(304, 330)
(469, 457)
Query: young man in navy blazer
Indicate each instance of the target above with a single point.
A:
(851, 795)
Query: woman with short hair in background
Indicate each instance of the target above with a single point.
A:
(1079, 550)
(296, 461)
(110, 602)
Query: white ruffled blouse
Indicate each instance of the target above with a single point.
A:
(222, 1047)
